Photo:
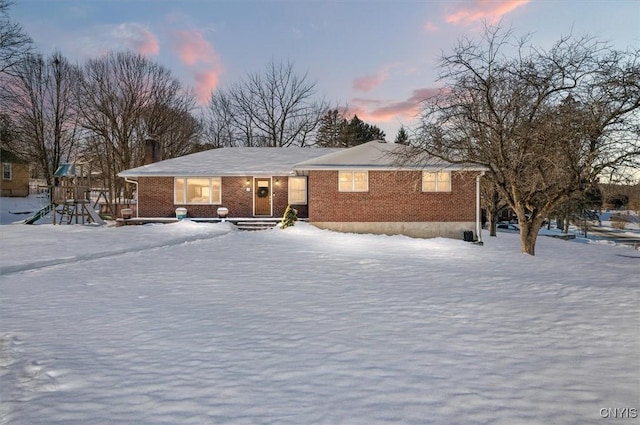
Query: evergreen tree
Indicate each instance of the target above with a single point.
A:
(402, 137)
(360, 132)
(332, 131)
(290, 217)
(336, 131)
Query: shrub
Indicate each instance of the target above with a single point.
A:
(290, 217)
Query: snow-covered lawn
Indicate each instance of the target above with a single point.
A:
(192, 323)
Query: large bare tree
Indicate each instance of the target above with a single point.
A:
(546, 123)
(173, 126)
(221, 127)
(15, 44)
(126, 98)
(277, 108)
(40, 98)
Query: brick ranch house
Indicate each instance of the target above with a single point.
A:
(362, 189)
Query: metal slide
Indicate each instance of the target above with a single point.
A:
(95, 216)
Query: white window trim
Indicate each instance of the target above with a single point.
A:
(306, 191)
(184, 191)
(353, 181)
(5, 164)
(437, 189)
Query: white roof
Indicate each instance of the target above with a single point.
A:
(243, 161)
(380, 155)
(232, 161)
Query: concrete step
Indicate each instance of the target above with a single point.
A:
(256, 225)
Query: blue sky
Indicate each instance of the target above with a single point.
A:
(375, 56)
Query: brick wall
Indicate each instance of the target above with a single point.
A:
(235, 197)
(393, 196)
(155, 198)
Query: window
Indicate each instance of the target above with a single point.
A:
(436, 181)
(353, 181)
(197, 190)
(297, 190)
(6, 171)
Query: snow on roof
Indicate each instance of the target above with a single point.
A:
(242, 161)
(371, 154)
(378, 154)
(231, 161)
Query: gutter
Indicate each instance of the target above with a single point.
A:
(372, 167)
(478, 210)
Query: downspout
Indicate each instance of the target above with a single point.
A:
(478, 210)
(137, 197)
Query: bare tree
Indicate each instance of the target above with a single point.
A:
(221, 128)
(125, 98)
(276, 109)
(15, 44)
(546, 123)
(492, 204)
(174, 127)
(6, 128)
(40, 97)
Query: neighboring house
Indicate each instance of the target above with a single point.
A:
(15, 175)
(360, 189)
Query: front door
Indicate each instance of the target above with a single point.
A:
(262, 196)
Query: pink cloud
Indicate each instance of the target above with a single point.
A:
(430, 27)
(206, 82)
(193, 47)
(386, 111)
(200, 57)
(369, 82)
(489, 10)
(137, 38)
(101, 39)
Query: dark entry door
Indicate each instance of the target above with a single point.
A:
(262, 196)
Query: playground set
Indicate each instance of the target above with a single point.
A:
(71, 198)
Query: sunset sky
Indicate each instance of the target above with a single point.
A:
(375, 56)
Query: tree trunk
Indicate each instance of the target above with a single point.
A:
(528, 236)
(493, 225)
(493, 209)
